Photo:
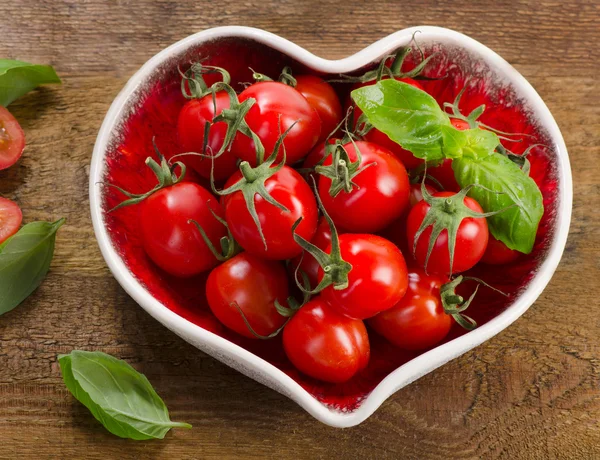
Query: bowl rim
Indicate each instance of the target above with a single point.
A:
(266, 372)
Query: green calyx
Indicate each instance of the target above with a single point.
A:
(229, 247)
(285, 77)
(455, 304)
(193, 84)
(165, 173)
(446, 213)
(342, 170)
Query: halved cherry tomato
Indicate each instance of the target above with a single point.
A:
(418, 321)
(288, 188)
(253, 284)
(380, 194)
(377, 137)
(378, 278)
(276, 108)
(322, 97)
(497, 253)
(190, 127)
(471, 239)
(308, 264)
(324, 344)
(12, 139)
(10, 219)
(170, 240)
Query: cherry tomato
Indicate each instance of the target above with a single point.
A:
(10, 219)
(418, 321)
(324, 344)
(12, 139)
(444, 173)
(170, 240)
(309, 264)
(190, 127)
(288, 188)
(497, 253)
(378, 278)
(379, 197)
(321, 96)
(253, 284)
(276, 108)
(377, 137)
(471, 239)
(316, 155)
(416, 194)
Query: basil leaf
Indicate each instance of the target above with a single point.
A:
(121, 399)
(24, 262)
(408, 115)
(517, 226)
(18, 78)
(473, 143)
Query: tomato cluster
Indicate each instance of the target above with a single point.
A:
(307, 209)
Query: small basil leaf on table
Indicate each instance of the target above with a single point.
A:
(517, 226)
(121, 399)
(408, 115)
(24, 262)
(18, 78)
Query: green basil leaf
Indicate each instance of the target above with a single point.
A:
(121, 399)
(18, 78)
(24, 262)
(472, 143)
(408, 115)
(517, 226)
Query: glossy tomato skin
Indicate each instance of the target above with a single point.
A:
(12, 139)
(380, 196)
(289, 189)
(444, 173)
(471, 240)
(324, 344)
(497, 253)
(322, 97)
(253, 284)
(10, 219)
(308, 264)
(190, 128)
(277, 107)
(377, 137)
(377, 281)
(416, 193)
(170, 241)
(418, 321)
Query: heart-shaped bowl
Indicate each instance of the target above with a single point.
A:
(148, 106)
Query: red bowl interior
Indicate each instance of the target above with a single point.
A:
(154, 114)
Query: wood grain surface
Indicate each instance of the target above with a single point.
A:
(531, 392)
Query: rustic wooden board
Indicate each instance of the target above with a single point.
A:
(531, 392)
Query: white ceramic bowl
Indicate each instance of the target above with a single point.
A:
(248, 363)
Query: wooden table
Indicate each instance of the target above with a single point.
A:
(531, 392)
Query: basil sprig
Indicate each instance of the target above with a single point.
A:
(121, 399)
(24, 262)
(413, 119)
(18, 78)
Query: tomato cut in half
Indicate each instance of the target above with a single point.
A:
(12, 139)
(10, 218)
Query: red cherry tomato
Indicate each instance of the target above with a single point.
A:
(12, 139)
(324, 344)
(190, 127)
(316, 155)
(416, 194)
(418, 321)
(276, 108)
(444, 173)
(379, 197)
(309, 264)
(322, 97)
(10, 219)
(377, 137)
(497, 253)
(471, 239)
(288, 188)
(170, 241)
(378, 278)
(253, 284)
